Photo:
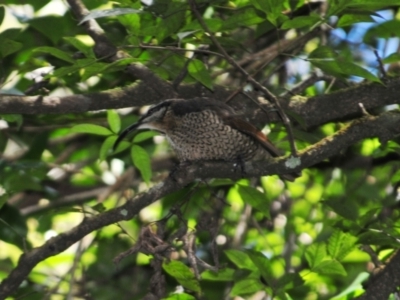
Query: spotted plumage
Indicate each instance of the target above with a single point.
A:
(205, 129)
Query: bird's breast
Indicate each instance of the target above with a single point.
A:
(204, 136)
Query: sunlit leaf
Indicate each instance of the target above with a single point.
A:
(180, 296)
(95, 14)
(263, 265)
(343, 206)
(315, 254)
(340, 244)
(13, 228)
(8, 46)
(106, 147)
(255, 198)
(56, 53)
(114, 120)
(394, 57)
(240, 259)
(141, 160)
(82, 47)
(2, 13)
(92, 129)
(300, 22)
(330, 267)
(377, 237)
(246, 286)
(182, 274)
(225, 274)
(198, 71)
(289, 281)
(145, 135)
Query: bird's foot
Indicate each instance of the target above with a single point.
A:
(239, 164)
(173, 174)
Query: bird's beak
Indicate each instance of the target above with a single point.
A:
(124, 133)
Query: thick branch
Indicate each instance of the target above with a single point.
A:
(386, 126)
(381, 285)
(312, 111)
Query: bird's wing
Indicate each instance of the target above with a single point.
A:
(250, 130)
(247, 128)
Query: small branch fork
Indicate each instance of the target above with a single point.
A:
(249, 78)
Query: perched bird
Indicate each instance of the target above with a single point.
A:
(202, 129)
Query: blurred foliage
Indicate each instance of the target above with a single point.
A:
(297, 240)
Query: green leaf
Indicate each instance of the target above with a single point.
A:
(340, 244)
(199, 72)
(114, 120)
(384, 30)
(182, 274)
(93, 69)
(348, 293)
(246, 286)
(247, 16)
(330, 267)
(13, 228)
(106, 147)
(8, 47)
(82, 47)
(327, 60)
(95, 14)
(122, 146)
(131, 22)
(3, 199)
(336, 7)
(63, 71)
(55, 52)
(377, 237)
(371, 4)
(182, 35)
(343, 206)
(273, 9)
(289, 281)
(300, 22)
(263, 265)
(52, 27)
(13, 118)
(351, 19)
(240, 259)
(394, 57)
(118, 65)
(315, 254)
(180, 296)
(2, 13)
(141, 160)
(225, 274)
(91, 128)
(145, 135)
(254, 197)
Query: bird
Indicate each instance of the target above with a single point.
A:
(204, 129)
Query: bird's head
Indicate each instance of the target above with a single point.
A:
(154, 119)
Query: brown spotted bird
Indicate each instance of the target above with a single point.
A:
(203, 129)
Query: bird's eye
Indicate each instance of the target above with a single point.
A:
(152, 110)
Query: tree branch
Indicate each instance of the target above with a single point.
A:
(381, 285)
(385, 126)
(314, 111)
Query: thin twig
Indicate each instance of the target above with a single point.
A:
(175, 49)
(380, 63)
(231, 61)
